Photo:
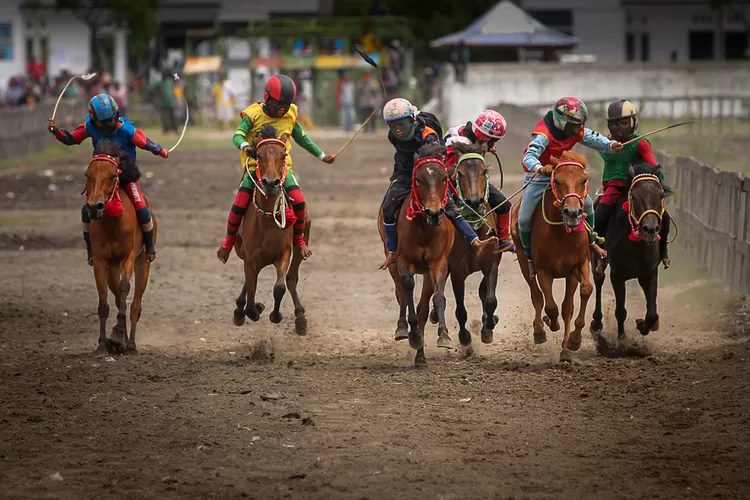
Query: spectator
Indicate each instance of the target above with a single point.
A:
(120, 95)
(345, 101)
(165, 101)
(369, 99)
(224, 100)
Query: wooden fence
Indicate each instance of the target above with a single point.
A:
(24, 130)
(711, 207)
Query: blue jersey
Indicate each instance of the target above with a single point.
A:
(123, 136)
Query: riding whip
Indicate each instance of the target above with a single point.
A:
(86, 77)
(674, 125)
(500, 165)
(187, 116)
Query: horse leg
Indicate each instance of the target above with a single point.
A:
(238, 316)
(142, 270)
(571, 283)
(101, 275)
(649, 284)
(537, 299)
(574, 343)
(279, 288)
(402, 327)
(120, 330)
(253, 309)
(423, 310)
(550, 306)
(596, 321)
(439, 275)
(416, 337)
(459, 288)
(621, 314)
(488, 293)
(292, 279)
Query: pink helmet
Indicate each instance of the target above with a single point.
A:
(489, 125)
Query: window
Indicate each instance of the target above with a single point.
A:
(6, 42)
(701, 45)
(645, 47)
(735, 44)
(558, 20)
(629, 47)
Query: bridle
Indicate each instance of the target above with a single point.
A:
(471, 216)
(278, 214)
(115, 194)
(415, 205)
(560, 200)
(636, 234)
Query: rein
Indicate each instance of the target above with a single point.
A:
(471, 215)
(415, 205)
(278, 213)
(635, 222)
(559, 200)
(113, 205)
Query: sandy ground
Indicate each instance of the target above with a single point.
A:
(210, 410)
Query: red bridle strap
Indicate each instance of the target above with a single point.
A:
(271, 140)
(415, 205)
(560, 200)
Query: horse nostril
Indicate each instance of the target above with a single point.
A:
(580, 212)
(650, 229)
(99, 206)
(276, 182)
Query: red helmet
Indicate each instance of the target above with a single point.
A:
(280, 88)
(489, 125)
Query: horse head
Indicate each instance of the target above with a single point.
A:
(472, 175)
(570, 186)
(429, 183)
(270, 157)
(103, 176)
(645, 205)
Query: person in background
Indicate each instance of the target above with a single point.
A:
(345, 101)
(120, 95)
(369, 99)
(165, 101)
(224, 100)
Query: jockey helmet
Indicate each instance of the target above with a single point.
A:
(489, 125)
(398, 108)
(102, 107)
(570, 115)
(622, 119)
(281, 88)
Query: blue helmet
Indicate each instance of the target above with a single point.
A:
(103, 107)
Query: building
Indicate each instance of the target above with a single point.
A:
(646, 30)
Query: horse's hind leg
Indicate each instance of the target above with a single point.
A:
(292, 279)
(279, 288)
(649, 284)
(571, 283)
(101, 276)
(596, 320)
(238, 316)
(142, 270)
(459, 292)
(621, 314)
(253, 309)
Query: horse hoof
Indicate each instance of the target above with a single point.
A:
(552, 325)
(275, 317)
(445, 341)
(596, 327)
(254, 315)
(416, 339)
(540, 337)
(131, 350)
(238, 318)
(420, 361)
(119, 334)
(464, 338)
(655, 326)
(566, 356)
(487, 336)
(300, 326)
(574, 345)
(401, 334)
(101, 348)
(641, 325)
(113, 348)
(434, 317)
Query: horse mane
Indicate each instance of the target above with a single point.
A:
(462, 148)
(130, 172)
(267, 132)
(645, 168)
(572, 156)
(433, 150)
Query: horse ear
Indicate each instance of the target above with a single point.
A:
(553, 160)
(668, 191)
(284, 137)
(416, 157)
(631, 171)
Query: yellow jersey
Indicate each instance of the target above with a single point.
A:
(283, 125)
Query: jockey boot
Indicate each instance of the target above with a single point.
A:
(299, 206)
(239, 208)
(147, 225)
(391, 243)
(666, 222)
(502, 223)
(85, 221)
(601, 222)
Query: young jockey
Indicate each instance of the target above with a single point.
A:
(489, 127)
(408, 131)
(560, 129)
(622, 121)
(104, 122)
(277, 110)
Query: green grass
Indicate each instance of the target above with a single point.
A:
(10, 221)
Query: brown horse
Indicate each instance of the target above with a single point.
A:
(265, 236)
(559, 249)
(472, 183)
(116, 242)
(424, 243)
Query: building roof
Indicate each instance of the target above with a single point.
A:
(506, 25)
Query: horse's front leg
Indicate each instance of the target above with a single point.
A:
(459, 290)
(571, 283)
(650, 286)
(574, 343)
(120, 330)
(596, 320)
(438, 275)
(621, 314)
(402, 327)
(488, 294)
(253, 309)
(279, 288)
(416, 337)
(101, 276)
(550, 306)
(423, 311)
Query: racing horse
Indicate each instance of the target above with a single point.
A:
(472, 181)
(265, 235)
(559, 249)
(632, 244)
(424, 244)
(117, 249)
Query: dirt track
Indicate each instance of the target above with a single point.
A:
(209, 410)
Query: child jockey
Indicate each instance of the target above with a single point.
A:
(277, 110)
(622, 121)
(408, 131)
(560, 129)
(488, 127)
(104, 122)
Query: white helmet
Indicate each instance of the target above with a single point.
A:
(398, 108)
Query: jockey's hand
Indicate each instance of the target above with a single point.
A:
(546, 170)
(329, 158)
(249, 150)
(616, 146)
(493, 149)
(52, 125)
(164, 153)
